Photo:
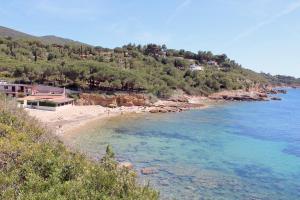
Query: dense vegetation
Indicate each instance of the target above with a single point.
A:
(34, 165)
(281, 79)
(152, 68)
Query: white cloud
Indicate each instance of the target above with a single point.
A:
(147, 37)
(73, 10)
(184, 4)
(124, 26)
(271, 19)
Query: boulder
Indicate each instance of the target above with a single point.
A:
(126, 165)
(163, 110)
(263, 95)
(155, 110)
(112, 105)
(272, 91)
(276, 98)
(280, 91)
(127, 104)
(179, 99)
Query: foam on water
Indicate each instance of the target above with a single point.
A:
(233, 151)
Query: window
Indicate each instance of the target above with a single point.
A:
(5, 87)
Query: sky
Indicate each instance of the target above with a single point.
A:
(263, 35)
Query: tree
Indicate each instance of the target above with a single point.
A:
(116, 84)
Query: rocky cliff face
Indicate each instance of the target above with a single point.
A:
(114, 100)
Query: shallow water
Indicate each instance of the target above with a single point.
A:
(233, 151)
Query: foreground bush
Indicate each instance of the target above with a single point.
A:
(34, 165)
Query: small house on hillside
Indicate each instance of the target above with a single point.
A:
(16, 90)
(195, 67)
(212, 63)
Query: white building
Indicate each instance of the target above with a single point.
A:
(195, 67)
(213, 63)
(15, 90)
(2, 82)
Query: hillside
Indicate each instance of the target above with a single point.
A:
(281, 79)
(7, 32)
(152, 68)
(52, 39)
(48, 39)
(34, 165)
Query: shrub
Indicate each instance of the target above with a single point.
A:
(35, 165)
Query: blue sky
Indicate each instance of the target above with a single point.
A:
(263, 35)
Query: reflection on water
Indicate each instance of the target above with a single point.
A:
(233, 151)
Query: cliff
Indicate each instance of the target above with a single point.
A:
(114, 100)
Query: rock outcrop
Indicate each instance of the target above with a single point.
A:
(240, 95)
(281, 91)
(127, 165)
(113, 100)
(276, 91)
(178, 107)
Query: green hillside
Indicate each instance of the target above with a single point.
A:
(151, 68)
(48, 39)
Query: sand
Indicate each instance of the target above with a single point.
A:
(68, 118)
(71, 117)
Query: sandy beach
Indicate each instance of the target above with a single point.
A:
(69, 118)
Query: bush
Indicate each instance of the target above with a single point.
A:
(35, 165)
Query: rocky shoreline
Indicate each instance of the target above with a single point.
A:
(94, 106)
(252, 95)
(178, 103)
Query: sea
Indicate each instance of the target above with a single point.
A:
(237, 150)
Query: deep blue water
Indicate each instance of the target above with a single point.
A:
(248, 150)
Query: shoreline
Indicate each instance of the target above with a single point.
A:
(67, 119)
(70, 118)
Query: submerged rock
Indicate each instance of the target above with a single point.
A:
(276, 98)
(280, 91)
(148, 170)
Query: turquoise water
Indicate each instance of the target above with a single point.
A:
(247, 150)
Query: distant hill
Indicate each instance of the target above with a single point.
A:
(52, 39)
(8, 32)
(48, 39)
